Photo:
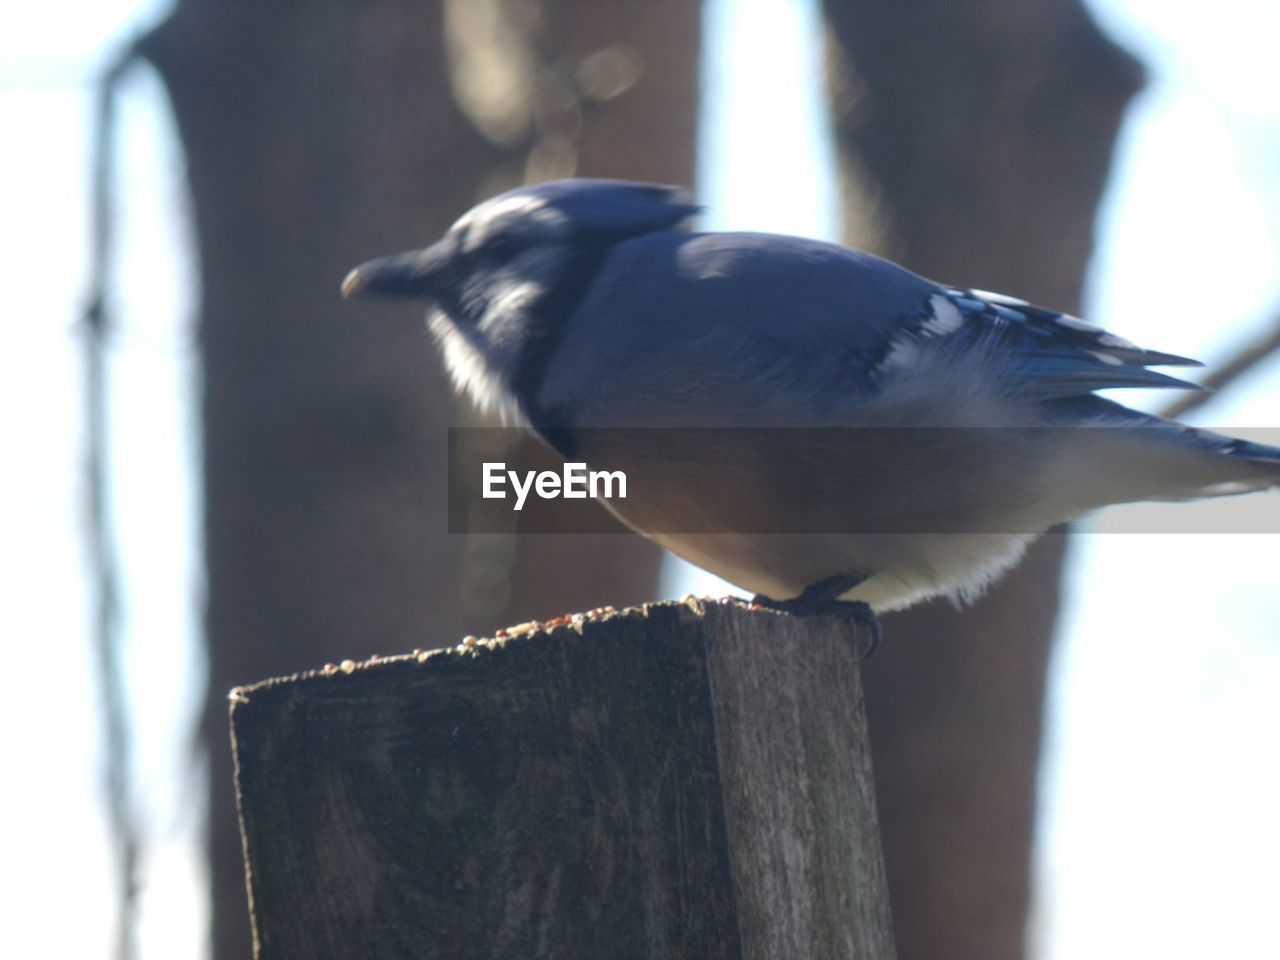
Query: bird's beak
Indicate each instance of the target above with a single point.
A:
(418, 273)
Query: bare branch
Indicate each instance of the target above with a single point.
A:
(96, 321)
(1239, 365)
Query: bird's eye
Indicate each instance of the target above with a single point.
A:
(500, 246)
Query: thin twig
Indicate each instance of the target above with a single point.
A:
(117, 775)
(1244, 361)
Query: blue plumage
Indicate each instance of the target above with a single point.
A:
(970, 420)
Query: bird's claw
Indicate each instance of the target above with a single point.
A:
(821, 598)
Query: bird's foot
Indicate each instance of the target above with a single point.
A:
(822, 598)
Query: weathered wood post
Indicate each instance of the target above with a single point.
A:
(678, 781)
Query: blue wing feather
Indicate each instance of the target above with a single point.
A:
(1040, 353)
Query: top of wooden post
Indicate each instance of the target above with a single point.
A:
(677, 780)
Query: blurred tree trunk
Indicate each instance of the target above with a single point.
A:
(318, 135)
(974, 143)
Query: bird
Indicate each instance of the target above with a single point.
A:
(814, 424)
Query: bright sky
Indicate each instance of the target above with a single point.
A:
(1159, 831)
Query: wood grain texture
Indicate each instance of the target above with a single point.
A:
(799, 797)
(674, 781)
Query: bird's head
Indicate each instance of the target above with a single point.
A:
(512, 268)
(526, 233)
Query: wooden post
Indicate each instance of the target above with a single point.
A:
(676, 781)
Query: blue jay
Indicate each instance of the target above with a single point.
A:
(579, 304)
